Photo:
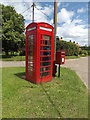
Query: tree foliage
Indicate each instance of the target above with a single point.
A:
(13, 29)
(69, 47)
(85, 50)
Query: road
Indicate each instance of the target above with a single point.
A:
(12, 64)
(80, 65)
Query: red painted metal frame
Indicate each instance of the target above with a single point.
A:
(35, 76)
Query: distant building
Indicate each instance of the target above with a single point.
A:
(78, 45)
(61, 38)
(69, 41)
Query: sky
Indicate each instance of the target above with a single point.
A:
(72, 17)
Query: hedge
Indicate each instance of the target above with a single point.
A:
(71, 49)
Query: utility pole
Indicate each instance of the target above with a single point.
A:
(55, 31)
(33, 12)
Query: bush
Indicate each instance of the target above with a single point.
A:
(88, 52)
(71, 49)
(84, 52)
(22, 53)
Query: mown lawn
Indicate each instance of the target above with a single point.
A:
(72, 57)
(64, 97)
(22, 58)
(13, 58)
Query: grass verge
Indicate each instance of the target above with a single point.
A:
(72, 57)
(65, 97)
(13, 58)
(22, 58)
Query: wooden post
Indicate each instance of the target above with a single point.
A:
(55, 31)
(33, 13)
(59, 71)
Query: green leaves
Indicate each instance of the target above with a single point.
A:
(70, 48)
(13, 29)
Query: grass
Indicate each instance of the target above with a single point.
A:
(13, 58)
(22, 58)
(64, 97)
(72, 57)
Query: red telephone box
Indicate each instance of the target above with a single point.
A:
(39, 52)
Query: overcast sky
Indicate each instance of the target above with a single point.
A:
(72, 17)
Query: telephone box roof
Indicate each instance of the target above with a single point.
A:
(40, 23)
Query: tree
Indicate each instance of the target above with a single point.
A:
(13, 29)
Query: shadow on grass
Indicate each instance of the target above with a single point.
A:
(22, 75)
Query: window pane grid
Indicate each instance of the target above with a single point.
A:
(45, 55)
(30, 54)
(45, 61)
(45, 71)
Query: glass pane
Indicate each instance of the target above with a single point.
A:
(30, 58)
(30, 39)
(30, 54)
(45, 69)
(30, 69)
(30, 47)
(45, 37)
(41, 36)
(45, 53)
(45, 42)
(45, 58)
(30, 64)
(45, 74)
(45, 47)
(45, 63)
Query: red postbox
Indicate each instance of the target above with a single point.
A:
(39, 52)
(60, 57)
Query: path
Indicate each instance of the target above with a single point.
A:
(12, 64)
(79, 65)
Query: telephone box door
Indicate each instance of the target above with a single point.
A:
(30, 55)
(45, 56)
